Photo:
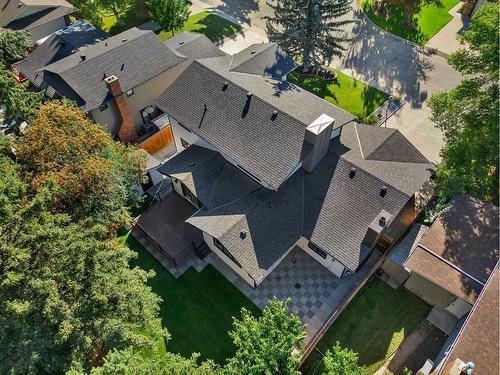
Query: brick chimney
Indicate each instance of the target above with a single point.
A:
(127, 131)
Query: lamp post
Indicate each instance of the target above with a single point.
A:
(389, 101)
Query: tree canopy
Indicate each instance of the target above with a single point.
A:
(14, 46)
(93, 173)
(342, 361)
(169, 14)
(468, 115)
(267, 344)
(310, 30)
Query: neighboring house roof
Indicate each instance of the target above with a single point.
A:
(245, 128)
(326, 206)
(478, 339)
(58, 46)
(460, 250)
(194, 46)
(134, 56)
(263, 59)
(402, 250)
(10, 10)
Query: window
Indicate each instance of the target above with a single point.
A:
(129, 92)
(317, 250)
(103, 107)
(184, 143)
(221, 247)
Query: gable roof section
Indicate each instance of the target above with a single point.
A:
(55, 48)
(460, 250)
(9, 9)
(193, 46)
(39, 18)
(134, 56)
(263, 59)
(242, 128)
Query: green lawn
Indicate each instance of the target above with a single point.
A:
(345, 92)
(197, 308)
(133, 16)
(374, 324)
(429, 21)
(210, 24)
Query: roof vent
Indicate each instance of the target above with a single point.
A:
(225, 85)
(181, 43)
(253, 52)
(105, 43)
(123, 66)
(83, 57)
(249, 94)
(352, 172)
(382, 221)
(62, 44)
(124, 40)
(383, 191)
(274, 115)
(192, 164)
(243, 234)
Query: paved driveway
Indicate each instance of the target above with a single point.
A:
(379, 58)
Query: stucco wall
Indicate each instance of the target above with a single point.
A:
(210, 243)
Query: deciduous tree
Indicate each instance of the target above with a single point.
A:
(14, 46)
(309, 29)
(468, 115)
(93, 173)
(342, 361)
(169, 14)
(268, 344)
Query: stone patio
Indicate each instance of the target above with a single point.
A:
(314, 291)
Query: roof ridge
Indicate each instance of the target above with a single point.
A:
(253, 55)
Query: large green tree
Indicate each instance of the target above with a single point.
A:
(89, 10)
(20, 103)
(14, 46)
(93, 173)
(310, 30)
(68, 295)
(342, 361)
(169, 14)
(268, 344)
(468, 115)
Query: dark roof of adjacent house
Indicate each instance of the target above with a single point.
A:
(326, 206)
(245, 116)
(402, 250)
(134, 56)
(194, 46)
(263, 59)
(460, 250)
(58, 46)
(478, 340)
(53, 9)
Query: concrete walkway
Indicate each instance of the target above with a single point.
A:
(446, 40)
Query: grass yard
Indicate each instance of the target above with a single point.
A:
(210, 24)
(133, 16)
(345, 92)
(197, 308)
(374, 324)
(429, 21)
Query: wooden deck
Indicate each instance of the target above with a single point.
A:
(164, 225)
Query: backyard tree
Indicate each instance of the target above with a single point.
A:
(169, 14)
(68, 293)
(116, 6)
(410, 8)
(342, 361)
(310, 30)
(20, 104)
(468, 115)
(93, 173)
(14, 46)
(89, 10)
(266, 344)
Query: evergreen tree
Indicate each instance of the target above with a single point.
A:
(169, 14)
(310, 30)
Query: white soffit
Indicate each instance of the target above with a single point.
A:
(320, 124)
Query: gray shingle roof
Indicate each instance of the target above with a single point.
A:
(194, 46)
(326, 206)
(134, 56)
(39, 18)
(263, 59)
(241, 128)
(55, 48)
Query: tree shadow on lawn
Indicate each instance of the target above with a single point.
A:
(215, 27)
(134, 16)
(375, 322)
(239, 9)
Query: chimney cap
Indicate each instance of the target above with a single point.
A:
(111, 78)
